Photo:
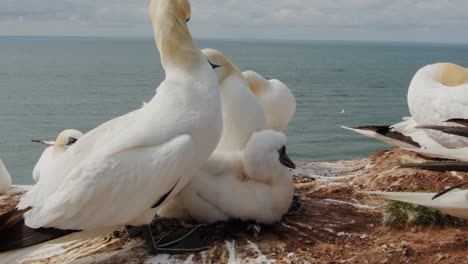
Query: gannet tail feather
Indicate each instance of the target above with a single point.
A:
(438, 166)
(14, 234)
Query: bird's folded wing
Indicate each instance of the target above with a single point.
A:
(111, 191)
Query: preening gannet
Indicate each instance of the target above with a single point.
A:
(252, 184)
(56, 148)
(437, 93)
(452, 201)
(242, 113)
(5, 179)
(121, 172)
(276, 98)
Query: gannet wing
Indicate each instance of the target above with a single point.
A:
(438, 166)
(458, 131)
(101, 192)
(43, 161)
(386, 135)
(452, 203)
(443, 153)
(459, 121)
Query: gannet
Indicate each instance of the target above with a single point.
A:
(252, 184)
(439, 92)
(121, 172)
(276, 98)
(5, 179)
(56, 148)
(452, 201)
(242, 113)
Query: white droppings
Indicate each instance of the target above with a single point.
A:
(356, 205)
(455, 174)
(260, 257)
(189, 260)
(231, 248)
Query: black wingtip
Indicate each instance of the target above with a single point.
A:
(387, 131)
(457, 131)
(14, 234)
(438, 166)
(449, 190)
(460, 121)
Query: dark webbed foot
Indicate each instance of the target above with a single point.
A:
(176, 240)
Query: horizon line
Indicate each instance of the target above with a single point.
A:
(241, 39)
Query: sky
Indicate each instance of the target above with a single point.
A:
(367, 20)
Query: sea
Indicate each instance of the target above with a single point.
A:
(48, 84)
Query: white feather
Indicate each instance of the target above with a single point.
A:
(115, 173)
(276, 98)
(407, 128)
(51, 154)
(242, 113)
(439, 92)
(5, 179)
(453, 203)
(220, 191)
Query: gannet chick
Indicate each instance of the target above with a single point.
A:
(56, 148)
(439, 92)
(452, 201)
(276, 98)
(220, 191)
(242, 113)
(5, 179)
(121, 172)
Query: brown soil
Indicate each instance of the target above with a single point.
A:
(331, 222)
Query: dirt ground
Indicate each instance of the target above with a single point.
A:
(330, 222)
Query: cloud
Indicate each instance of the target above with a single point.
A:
(425, 20)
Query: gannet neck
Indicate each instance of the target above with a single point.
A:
(172, 36)
(256, 82)
(451, 75)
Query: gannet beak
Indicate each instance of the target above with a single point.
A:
(47, 143)
(284, 159)
(214, 66)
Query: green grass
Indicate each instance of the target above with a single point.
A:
(399, 214)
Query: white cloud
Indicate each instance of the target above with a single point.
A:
(424, 20)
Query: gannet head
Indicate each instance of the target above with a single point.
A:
(172, 36)
(265, 154)
(67, 138)
(450, 74)
(220, 64)
(256, 82)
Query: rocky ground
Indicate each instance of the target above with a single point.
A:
(331, 222)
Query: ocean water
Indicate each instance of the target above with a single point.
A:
(51, 83)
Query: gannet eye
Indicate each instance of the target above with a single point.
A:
(188, 19)
(71, 141)
(214, 66)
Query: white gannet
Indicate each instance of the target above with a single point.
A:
(5, 179)
(402, 135)
(452, 201)
(56, 148)
(276, 98)
(121, 172)
(439, 92)
(242, 113)
(252, 184)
